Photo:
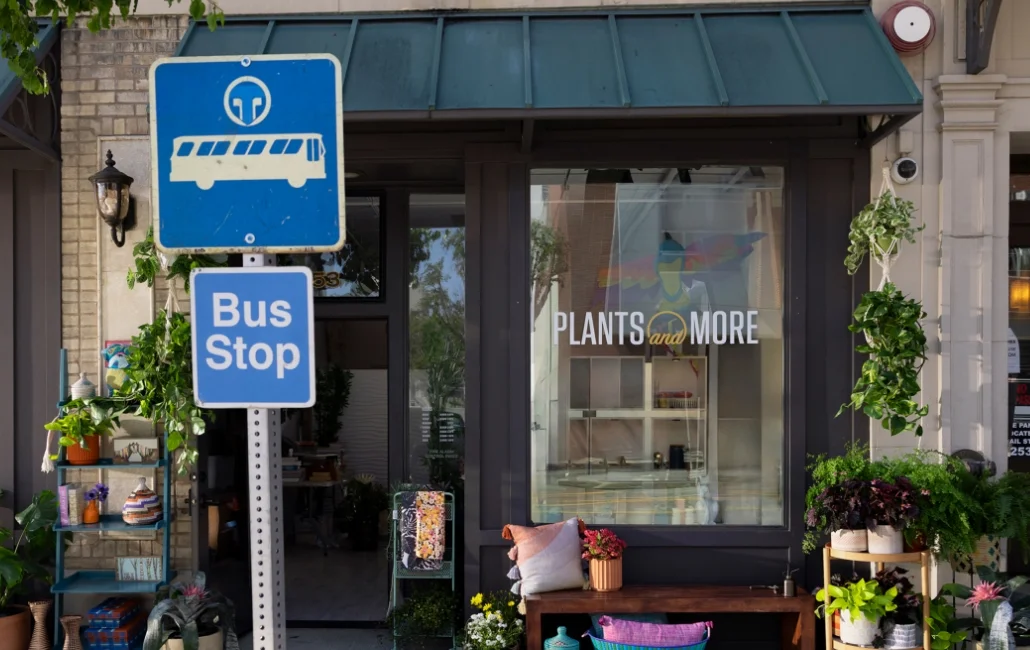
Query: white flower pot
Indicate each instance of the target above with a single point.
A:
(885, 540)
(210, 642)
(902, 637)
(855, 541)
(858, 632)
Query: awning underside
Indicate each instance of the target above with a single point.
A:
(663, 62)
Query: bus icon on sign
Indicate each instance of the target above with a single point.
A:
(205, 159)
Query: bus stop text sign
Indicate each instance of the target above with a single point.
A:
(247, 154)
(253, 337)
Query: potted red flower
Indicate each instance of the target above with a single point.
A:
(604, 550)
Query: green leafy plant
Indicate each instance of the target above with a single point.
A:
(858, 598)
(332, 389)
(359, 512)
(885, 222)
(944, 631)
(159, 382)
(147, 264)
(827, 473)
(431, 610)
(19, 26)
(189, 611)
(33, 548)
(81, 418)
(496, 626)
(896, 345)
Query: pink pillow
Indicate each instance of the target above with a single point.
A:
(653, 634)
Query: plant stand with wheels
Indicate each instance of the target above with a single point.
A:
(880, 561)
(401, 573)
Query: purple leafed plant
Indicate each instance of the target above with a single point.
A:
(841, 507)
(892, 504)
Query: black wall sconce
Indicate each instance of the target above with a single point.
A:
(115, 204)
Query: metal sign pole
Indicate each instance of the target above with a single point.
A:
(267, 565)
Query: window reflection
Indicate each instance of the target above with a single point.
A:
(657, 374)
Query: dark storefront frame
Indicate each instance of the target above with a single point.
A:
(827, 182)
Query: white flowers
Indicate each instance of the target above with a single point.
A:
(492, 630)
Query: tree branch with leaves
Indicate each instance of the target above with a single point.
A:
(20, 25)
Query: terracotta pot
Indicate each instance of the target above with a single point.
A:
(885, 540)
(855, 541)
(213, 641)
(15, 628)
(91, 515)
(916, 545)
(606, 575)
(76, 455)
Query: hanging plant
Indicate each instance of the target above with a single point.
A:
(879, 229)
(896, 345)
(148, 264)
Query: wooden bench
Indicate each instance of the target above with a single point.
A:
(796, 613)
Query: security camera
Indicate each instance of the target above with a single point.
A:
(904, 170)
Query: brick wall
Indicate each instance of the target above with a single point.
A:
(104, 86)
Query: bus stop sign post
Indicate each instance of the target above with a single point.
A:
(247, 154)
(247, 157)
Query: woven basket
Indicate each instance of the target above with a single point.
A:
(601, 644)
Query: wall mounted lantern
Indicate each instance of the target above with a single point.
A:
(113, 200)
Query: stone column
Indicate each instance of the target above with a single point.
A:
(973, 237)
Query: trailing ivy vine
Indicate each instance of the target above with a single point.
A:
(896, 345)
(885, 222)
(147, 264)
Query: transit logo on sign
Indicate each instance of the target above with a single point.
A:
(250, 158)
(253, 337)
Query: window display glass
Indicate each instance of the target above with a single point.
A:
(657, 375)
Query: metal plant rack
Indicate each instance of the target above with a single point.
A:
(401, 573)
(106, 582)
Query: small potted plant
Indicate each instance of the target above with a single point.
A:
(95, 496)
(192, 618)
(604, 550)
(428, 613)
(841, 510)
(891, 507)
(862, 604)
(80, 425)
(496, 626)
(1001, 608)
(902, 627)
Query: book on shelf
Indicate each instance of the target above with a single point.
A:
(74, 506)
(62, 500)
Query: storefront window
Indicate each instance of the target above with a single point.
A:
(436, 335)
(355, 270)
(657, 376)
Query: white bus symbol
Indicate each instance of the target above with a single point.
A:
(206, 159)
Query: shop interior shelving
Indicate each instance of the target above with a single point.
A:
(400, 573)
(106, 583)
(879, 561)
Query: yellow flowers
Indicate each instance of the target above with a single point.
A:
(511, 603)
(477, 600)
(486, 607)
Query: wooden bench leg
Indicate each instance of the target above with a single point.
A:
(798, 631)
(534, 630)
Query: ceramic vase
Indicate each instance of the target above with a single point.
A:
(885, 540)
(860, 631)
(91, 515)
(84, 388)
(606, 575)
(71, 625)
(40, 640)
(855, 541)
(987, 553)
(143, 507)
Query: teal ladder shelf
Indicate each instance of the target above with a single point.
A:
(401, 573)
(106, 582)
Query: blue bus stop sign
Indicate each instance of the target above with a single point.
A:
(253, 337)
(247, 154)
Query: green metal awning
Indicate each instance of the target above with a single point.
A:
(661, 62)
(15, 124)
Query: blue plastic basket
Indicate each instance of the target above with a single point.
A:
(601, 644)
